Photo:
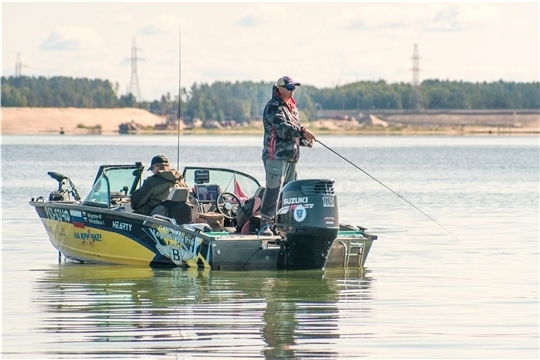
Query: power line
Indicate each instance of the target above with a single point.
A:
(416, 96)
(134, 87)
(19, 65)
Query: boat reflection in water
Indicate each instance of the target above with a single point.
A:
(142, 311)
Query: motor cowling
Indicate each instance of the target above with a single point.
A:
(308, 208)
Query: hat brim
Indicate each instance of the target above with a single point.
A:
(295, 84)
(151, 166)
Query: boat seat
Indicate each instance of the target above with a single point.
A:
(176, 206)
(178, 194)
(196, 208)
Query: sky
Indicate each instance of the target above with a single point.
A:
(323, 44)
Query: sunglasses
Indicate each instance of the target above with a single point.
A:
(290, 87)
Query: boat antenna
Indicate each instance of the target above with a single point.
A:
(407, 201)
(179, 112)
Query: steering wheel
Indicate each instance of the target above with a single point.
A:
(228, 205)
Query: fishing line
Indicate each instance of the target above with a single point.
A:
(402, 198)
(178, 117)
(179, 113)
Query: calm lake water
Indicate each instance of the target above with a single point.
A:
(425, 293)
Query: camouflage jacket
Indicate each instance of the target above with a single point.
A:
(282, 131)
(154, 190)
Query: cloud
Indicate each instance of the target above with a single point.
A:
(160, 25)
(427, 16)
(250, 20)
(71, 38)
(379, 17)
(261, 14)
(460, 17)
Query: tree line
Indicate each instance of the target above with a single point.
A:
(245, 101)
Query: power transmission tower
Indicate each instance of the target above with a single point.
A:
(416, 96)
(19, 65)
(134, 88)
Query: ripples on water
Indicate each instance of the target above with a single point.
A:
(424, 294)
(168, 312)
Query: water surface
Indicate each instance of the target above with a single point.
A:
(425, 292)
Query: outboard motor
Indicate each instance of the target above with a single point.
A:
(308, 218)
(66, 188)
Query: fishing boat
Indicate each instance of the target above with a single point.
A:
(103, 229)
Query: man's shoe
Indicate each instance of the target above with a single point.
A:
(265, 230)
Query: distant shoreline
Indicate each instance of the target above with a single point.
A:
(33, 121)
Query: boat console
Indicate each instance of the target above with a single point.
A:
(207, 193)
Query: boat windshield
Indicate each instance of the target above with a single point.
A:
(223, 178)
(113, 181)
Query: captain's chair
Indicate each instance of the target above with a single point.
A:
(178, 194)
(176, 206)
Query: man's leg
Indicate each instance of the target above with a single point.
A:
(290, 173)
(276, 172)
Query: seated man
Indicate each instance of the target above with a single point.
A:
(155, 188)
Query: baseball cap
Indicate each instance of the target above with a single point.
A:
(286, 80)
(158, 159)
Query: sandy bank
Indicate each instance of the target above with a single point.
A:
(23, 121)
(51, 120)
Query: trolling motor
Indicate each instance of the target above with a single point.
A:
(66, 189)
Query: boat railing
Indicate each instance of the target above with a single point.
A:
(165, 218)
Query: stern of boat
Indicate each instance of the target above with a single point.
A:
(350, 249)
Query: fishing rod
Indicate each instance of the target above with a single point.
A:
(179, 113)
(407, 201)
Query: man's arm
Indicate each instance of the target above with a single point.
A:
(141, 195)
(284, 129)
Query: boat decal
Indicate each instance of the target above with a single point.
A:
(286, 209)
(297, 200)
(179, 246)
(77, 218)
(299, 213)
(328, 201)
(121, 225)
(330, 220)
(95, 219)
(57, 214)
(176, 253)
(87, 238)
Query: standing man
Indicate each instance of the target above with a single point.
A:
(283, 136)
(155, 188)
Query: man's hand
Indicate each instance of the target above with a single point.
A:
(309, 136)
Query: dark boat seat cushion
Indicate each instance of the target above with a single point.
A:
(176, 206)
(179, 194)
